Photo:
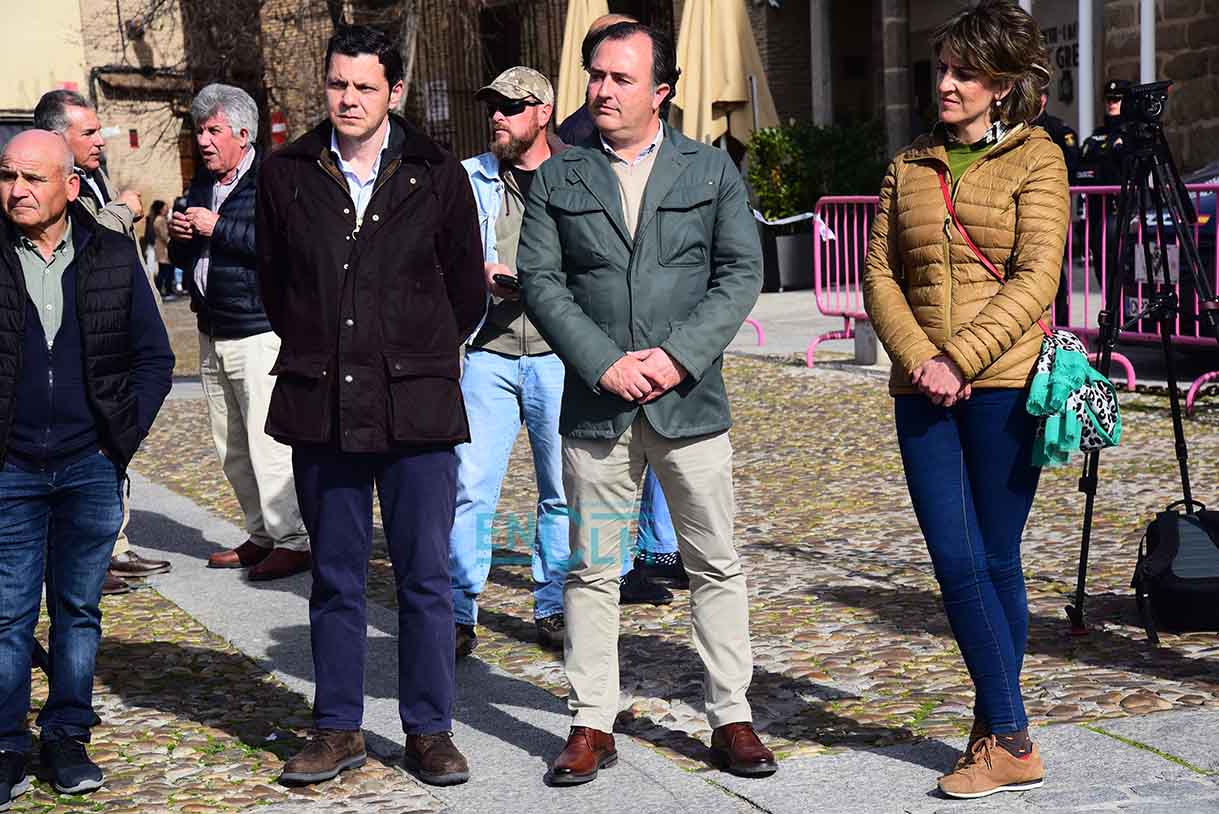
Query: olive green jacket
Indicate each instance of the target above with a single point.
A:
(685, 283)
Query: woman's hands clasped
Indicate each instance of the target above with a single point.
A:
(940, 380)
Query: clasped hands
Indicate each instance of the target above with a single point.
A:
(643, 375)
(940, 380)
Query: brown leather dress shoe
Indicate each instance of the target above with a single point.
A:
(130, 564)
(243, 556)
(436, 760)
(328, 752)
(281, 563)
(587, 752)
(738, 750)
(112, 585)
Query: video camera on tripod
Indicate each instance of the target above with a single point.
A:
(1177, 579)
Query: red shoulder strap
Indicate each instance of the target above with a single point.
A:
(952, 213)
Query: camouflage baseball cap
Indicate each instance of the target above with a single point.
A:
(519, 83)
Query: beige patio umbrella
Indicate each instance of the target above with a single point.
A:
(573, 82)
(717, 56)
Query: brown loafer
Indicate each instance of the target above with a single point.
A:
(328, 752)
(130, 564)
(243, 556)
(435, 759)
(587, 752)
(281, 563)
(738, 750)
(112, 585)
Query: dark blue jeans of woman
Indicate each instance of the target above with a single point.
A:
(971, 479)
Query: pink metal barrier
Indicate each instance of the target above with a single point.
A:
(840, 248)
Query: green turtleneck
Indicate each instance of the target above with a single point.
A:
(960, 156)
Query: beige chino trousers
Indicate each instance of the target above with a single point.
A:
(237, 382)
(601, 479)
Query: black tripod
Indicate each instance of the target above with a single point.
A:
(1148, 172)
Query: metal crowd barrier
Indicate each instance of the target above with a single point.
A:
(840, 249)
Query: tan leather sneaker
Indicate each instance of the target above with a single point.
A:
(992, 768)
(979, 731)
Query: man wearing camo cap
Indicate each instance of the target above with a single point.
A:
(511, 375)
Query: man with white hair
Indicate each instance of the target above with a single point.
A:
(84, 367)
(213, 240)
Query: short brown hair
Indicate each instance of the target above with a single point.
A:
(1003, 41)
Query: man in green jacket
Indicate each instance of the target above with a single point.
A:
(639, 260)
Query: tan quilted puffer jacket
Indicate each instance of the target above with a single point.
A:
(924, 289)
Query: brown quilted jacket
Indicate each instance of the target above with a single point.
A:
(924, 289)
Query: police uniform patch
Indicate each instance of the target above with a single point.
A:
(1069, 138)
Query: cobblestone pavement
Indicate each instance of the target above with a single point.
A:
(189, 725)
(850, 641)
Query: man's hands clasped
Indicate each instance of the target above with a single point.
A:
(642, 376)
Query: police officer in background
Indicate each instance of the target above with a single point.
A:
(1067, 141)
(1062, 135)
(1100, 164)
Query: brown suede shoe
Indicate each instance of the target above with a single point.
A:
(738, 750)
(130, 564)
(328, 752)
(991, 769)
(281, 563)
(243, 556)
(112, 585)
(587, 752)
(465, 640)
(436, 760)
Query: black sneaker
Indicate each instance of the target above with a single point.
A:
(66, 765)
(551, 631)
(667, 569)
(466, 640)
(13, 779)
(636, 589)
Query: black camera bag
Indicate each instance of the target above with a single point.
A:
(1176, 579)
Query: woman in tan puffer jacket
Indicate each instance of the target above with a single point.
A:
(963, 346)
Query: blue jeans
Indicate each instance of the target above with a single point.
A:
(501, 393)
(63, 524)
(656, 534)
(971, 479)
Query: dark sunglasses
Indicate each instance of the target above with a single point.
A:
(509, 107)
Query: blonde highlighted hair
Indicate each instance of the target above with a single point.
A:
(1001, 40)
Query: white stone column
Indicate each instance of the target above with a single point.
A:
(895, 50)
(820, 62)
(1087, 78)
(1147, 41)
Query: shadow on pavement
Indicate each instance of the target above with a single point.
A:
(482, 694)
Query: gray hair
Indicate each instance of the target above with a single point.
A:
(237, 106)
(51, 112)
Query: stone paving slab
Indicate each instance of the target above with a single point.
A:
(507, 728)
(1086, 771)
(1192, 737)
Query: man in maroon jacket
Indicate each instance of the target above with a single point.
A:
(370, 267)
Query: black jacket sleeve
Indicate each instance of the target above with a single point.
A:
(460, 249)
(152, 365)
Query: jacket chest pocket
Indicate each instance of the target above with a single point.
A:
(683, 225)
(583, 227)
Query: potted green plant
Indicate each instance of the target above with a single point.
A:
(790, 168)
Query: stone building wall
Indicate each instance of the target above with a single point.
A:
(152, 106)
(1187, 52)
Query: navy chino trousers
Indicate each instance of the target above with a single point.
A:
(418, 493)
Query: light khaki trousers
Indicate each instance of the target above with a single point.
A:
(601, 479)
(237, 382)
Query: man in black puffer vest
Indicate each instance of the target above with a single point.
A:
(213, 241)
(84, 366)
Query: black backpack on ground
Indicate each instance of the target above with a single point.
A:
(1176, 579)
